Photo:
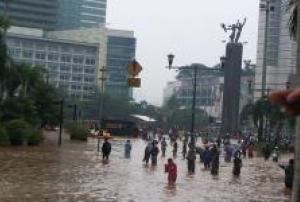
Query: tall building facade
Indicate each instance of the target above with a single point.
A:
(72, 66)
(120, 52)
(280, 50)
(73, 14)
(30, 13)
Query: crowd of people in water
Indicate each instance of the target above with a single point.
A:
(209, 154)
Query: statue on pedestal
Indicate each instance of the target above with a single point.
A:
(236, 30)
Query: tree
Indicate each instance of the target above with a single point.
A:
(265, 117)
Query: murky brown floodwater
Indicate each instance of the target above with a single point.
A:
(76, 172)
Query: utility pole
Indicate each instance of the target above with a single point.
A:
(194, 107)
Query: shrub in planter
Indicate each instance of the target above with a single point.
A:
(77, 131)
(4, 138)
(35, 137)
(17, 131)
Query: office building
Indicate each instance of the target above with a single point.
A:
(209, 95)
(280, 49)
(72, 66)
(120, 52)
(74, 14)
(30, 13)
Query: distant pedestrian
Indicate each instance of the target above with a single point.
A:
(184, 149)
(215, 160)
(147, 154)
(163, 147)
(275, 154)
(250, 150)
(206, 158)
(154, 153)
(237, 165)
(175, 148)
(128, 148)
(171, 169)
(266, 151)
(219, 141)
(289, 174)
(106, 149)
(191, 158)
(228, 153)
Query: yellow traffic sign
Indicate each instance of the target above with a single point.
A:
(134, 68)
(134, 82)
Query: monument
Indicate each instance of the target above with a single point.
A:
(232, 79)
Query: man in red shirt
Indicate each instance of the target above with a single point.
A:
(171, 169)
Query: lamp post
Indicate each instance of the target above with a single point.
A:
(102, 79)
(170, 61)
(195, 68)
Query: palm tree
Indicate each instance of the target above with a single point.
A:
(293, 6)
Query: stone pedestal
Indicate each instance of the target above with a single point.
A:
(232, 82)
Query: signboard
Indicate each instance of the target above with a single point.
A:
(134, 68)
(134, 82)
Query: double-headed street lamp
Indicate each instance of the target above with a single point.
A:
(195, 68)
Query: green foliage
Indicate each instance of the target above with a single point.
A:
(292, 8)
(4, 138)
(35, 137)
(77, 131)
(265, 117)
(18, 131)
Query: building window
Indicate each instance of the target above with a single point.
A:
(78, 59)
(53, 66)
(76, 78)
(14, 52)
(75, 87)
(65, 58)
(53, 57)
(88, 88)
(90, 61)
(89, 79)
(40, 56)
(77, 69)
(27, 54)
(65, 68)
(64, 77)
(89, 71)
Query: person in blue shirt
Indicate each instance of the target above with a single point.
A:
(128, 148)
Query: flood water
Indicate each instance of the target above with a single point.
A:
(76, 172)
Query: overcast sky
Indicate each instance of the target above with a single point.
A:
(190, 29)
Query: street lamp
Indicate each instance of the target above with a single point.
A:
(195, 68)
(170, 59)
(102, 79)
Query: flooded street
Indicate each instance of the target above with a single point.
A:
(75, 172)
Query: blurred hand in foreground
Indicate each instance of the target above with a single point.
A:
(288, 99)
